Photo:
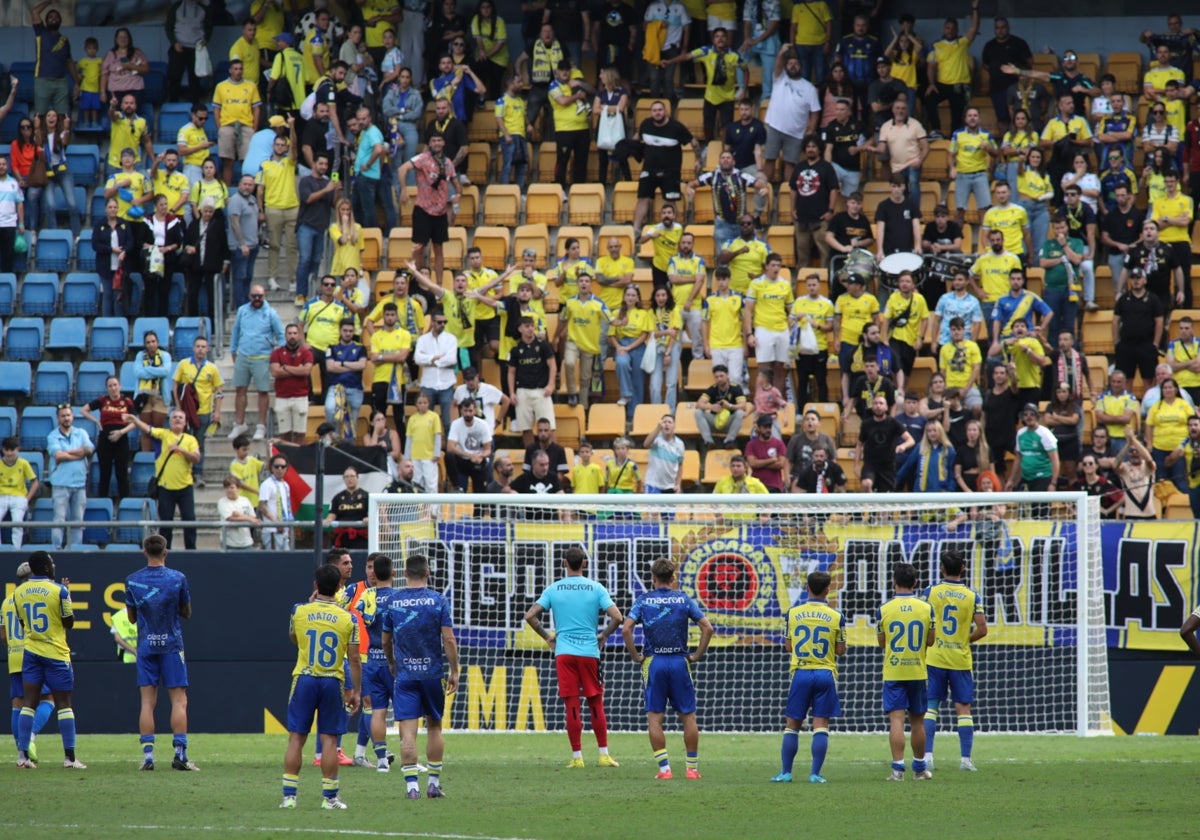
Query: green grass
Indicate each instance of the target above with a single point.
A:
(514, 786)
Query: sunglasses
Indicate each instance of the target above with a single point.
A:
(440, 323)
(458, 43)
(1155, 113)
(279, 466)
(328, 285)
(256, 297)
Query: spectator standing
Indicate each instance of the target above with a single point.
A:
(761, 38)
(1004, 48)
(491, 405)
(725, 80)
(153, 368)
(28, 162)
(668, 28)
(629, 331)
(368, 168)
(814, 198)
(57, 134)
(344, 366)
(54, 64)
(279, 204)
(316, 195)
(766, 455)
(1036, 466)
(858, 51)
(537, 67)
(731, 188)
(532, 371)
(275, 505)
(811, 37)
(815, 311)
(237, 108)
(70, 449)
(437, 353)
(583, 325)
(949, 69)
(664, 139)
(881, 439)
(166, 179)
(664, 467)
(434, 209)
(511, 112)
(291, 368)
(202, 377)
(468, 450)
(232, 507)
(112, 443)
(242, 213)
(206, 256)
(1060, 258)
(570, 100)
(257, 331)
(12, 216)
(389, 349)
(189, 25)
(123, 71)
(1137, 327)
(179, 455)
(113, 241)
(163, 234)
(795, 108)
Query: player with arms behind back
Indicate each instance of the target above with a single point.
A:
(326, 637)
(960, 623)
(905, 629)
(13, 636)
(44, 609)
(418, 638)
(816, 637)
(664, 614)
(575, 601)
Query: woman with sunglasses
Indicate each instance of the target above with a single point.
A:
(27, 162)
(1158, 133)
(56, 129)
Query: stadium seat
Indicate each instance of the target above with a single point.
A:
(454, 250)
(39, 294)
(468, 206)
(16, 378)
(90, 379)
(1097, 333)
(62, 214)
(25, 339)
(624, 202)
(85, 254)
(493, 242)
(569, 422)
(42, 511)
(96, 205)
(98, 510)
(781, 240)
(605, 421)
(109, 339)
(479, 162)
(542, 171)
(935, 168)
(646, 417)
(8, 421)
(622, 232)
(142, 469)
(175, 296)
(187, 330)
(81, 294)
(53, 383)
(716, 465)
(54, 249)
(502, 205)
(535, 236)
(845, 460)
(37, 421)
(8, 294)
(37, 460)
(372, 250)
(586, 236)
(172, 117)
(690, 112)
(699, 375)
(81, 422)
(399, 247)
(160, 326)
(585, 204)
(134, 510)
(83, 159)
(8, 125)
(706, 245)
(544, 204)
(67, 334)
(482, 127)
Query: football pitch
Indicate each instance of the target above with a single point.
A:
(516, 786)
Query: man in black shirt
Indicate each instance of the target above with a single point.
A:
(883, 92)
(1122, 228)
(897, 222)
(614, 35)
(1001, 408)
(1005, 48)
(721, 408)
(880, 439)
(1164, 276)
(844, 141)
(453, 132)
(866, 387)
(572, 23)
(313, 140)
(821, 476)
(531, 372)
(664, 139)
(544, 442)
(317, 193)
(942, 235)
(1138, 327)
(539, 480)
(745, 139)
(848, 230)
(814, 194)
(350, 505)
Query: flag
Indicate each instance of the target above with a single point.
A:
(301, 475)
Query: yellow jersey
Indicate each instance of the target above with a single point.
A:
(913, 311)
(173, 186)
(385, 341)
(325, 635)
(570, 276)
(137, 187)
(476, 280)
(41, 605)
(247, 52)
(316, 45)
(1029, 372)
(322, 323)
(992, 271)
(1157, 77)
(1170, 423)
(278, 180)
(608, 267)
(460, 318)
(718, 94)
(637, 322)
(575, 115)
(810, 19)
(771, 299)
(585, 319)
(1031, 186)
(814, 631)
(410, 313)
(15, 634)
(1176, 114)
(624, 477)
(89, 74)
(1056, 129)
(208, 383)
(125, 133)
(745, 267)
(1012, 222)
(510, 110)
(214, 189)
(15, 479)
(1019, 140)
(666, 244)
(818, 310)
(724, 316)
(539, 280)
(174, 471)
(421, 432)
(955, 606)
(968, 148)
(347, 254)
(587, 479)
(193, 135)
(287, 68)
(272, 23)
(667, 319)
(953, 61)
(692, 267)
(905, 622)
(1180, 205)
(249, 472)
(237, 101)
(1177, 351)
(856, 313)
(378, 8)
(958, 361)
(1110, 403)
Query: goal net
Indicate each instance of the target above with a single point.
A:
(1034, 558)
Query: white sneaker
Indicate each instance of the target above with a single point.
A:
(73, 764)
(929, 762)
(238, 429)
(383, 766)
(272, 284)
(361, 761)
(288, 802)
(923, 776)
(967, 764)
(260, 432)
(334, 804)
(895, 776)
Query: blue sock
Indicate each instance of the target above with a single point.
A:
(380, 749)
(898, 766)
(787, 752)
(42, 714)
(364, 730)
(931, 723)
(179, 742)
(339, 741)
(966, 734)
(15, 722)
(919, 765)
(66, 728)
(820, 746)
(147, 742)
(24, 729)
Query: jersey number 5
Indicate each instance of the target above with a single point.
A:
(36, 619)
(816, 639)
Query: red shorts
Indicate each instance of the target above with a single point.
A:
(578, 675)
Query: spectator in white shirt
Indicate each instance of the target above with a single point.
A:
(469, 450)
(275, 505)
(233, 507)
(437, 354)
(491, 404)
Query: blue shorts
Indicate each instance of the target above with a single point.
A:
(668, 678)
(166, 669)
(816, 690)
(90, 101)
(846, 357)
(16, 687)
(321, 696)
(412, 699)
(959, 683)
(50, 674)
(377, 683)
(907, 695)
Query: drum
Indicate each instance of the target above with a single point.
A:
(892, 266)
(859, 262)
(940, 268)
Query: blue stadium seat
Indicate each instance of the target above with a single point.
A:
(83, 159)
(37, 460)
(83, 547)
(89, 383)
(37, 421)
(8, 421)
(161, 327)
(8, 125)
(16, 378)
(54, 250)
(159, 148)
(172, 117)
(98, 510)
(186, 331)
(128, 380)
(8, 293)
(85, 254)
(25, 339)
(52, 203)
(39, 294)
(93, 485)
(53, 383)
(140, 473)
(96, 207)
(134, 510)
(67, 334)
(134, 290)
(43, 512)
(110, 339)
(156, 85)
(115, 546)
(81, 294)
(81, 422)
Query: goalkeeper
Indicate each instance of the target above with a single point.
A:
(958, 613)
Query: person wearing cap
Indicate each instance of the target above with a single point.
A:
(1138, 318)
(237, 108)
(767, 455)
(262, 144)
(1035, 462)
(130, 188)
(287, 68)
(853, 311)
(721, 398)
(126, 130)
(491, 404)
(1158, 262)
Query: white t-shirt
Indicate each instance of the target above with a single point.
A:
(470, 439)
(10, 197)
(666, 460)
(236, 537)
(792, 102)
(486, 399)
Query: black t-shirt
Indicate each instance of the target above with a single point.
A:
(349, 507)
(556, 454)
(1000, 425)
(527, 483)
(996, 54)
(1137, 316)
(835, 476)
(887, 93)
(1078, 220)
(864, 392)
(314, 137)
(566, 16)
(614, 27)
(1125, 228)
(664, 146)
(1158, 263)
(741, 140)
(941, 237)
(811, 186)
(844, 228)
(897, 226)
(842, 137)
(879, 440)
(800, 450)
(731, 394)
(454, 132)
(532, 363)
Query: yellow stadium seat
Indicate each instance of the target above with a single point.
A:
(383, 285)
(781, 240)
(716, 465)
(399, 247)
(922, 372)
(643, 278)
(1176, 314)
(493, 241)
(691, 469)
(937, 163)
(585, 235)
(569, 423)
(544, 203)
(706, 245)
(623, 232)
(482, 128)
(585, 204)
(783, 205)
(685, 420)
(372, 250)
(547, 154)
(699, 375)
(850, 427)
(502, 205)
(845, 459)
(535, 236)
(1097, 374)
(468, 206)
(646, 417)
(1035, 281)
(454, 251)
(479, 162)
(624, 201)
(690, 112)
(873, 193)
(687, 171)
(1097, 333)
(605, 421)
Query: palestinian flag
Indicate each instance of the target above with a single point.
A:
(302, 473)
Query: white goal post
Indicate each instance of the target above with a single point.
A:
(1034, 558)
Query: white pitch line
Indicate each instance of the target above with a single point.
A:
(350, 832)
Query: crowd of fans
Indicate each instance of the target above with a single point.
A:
(321, 124)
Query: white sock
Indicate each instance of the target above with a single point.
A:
(604, 751)
(929, 756)
(576, 753)
(412, 786)
(360, 751)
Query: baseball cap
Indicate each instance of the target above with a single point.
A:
(765, 420)
(883, 59)
(287, 38)
(470, 373)
(1028, 407)
(854, 278)
(277, 122)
